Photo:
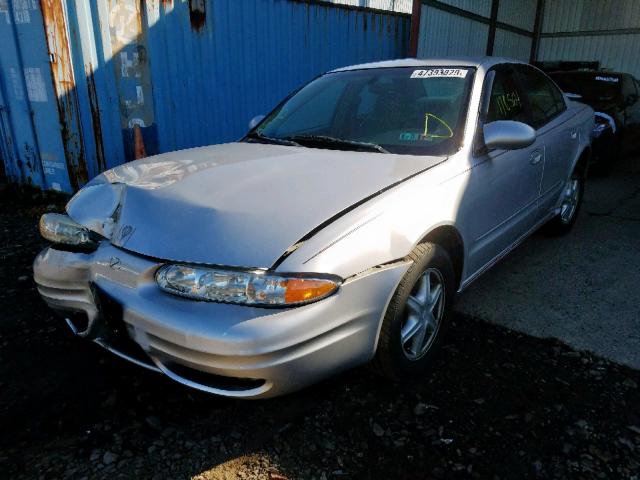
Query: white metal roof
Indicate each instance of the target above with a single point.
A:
(483, 61)
(403, 6)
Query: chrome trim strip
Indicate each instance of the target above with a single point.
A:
(126, 357)
(218, 391)
(72, 326)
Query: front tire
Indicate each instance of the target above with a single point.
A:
(417, 315)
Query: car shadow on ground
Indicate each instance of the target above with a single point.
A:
(496, 402)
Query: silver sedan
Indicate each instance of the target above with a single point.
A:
(337, 232)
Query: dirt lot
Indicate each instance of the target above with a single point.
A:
(497, 405)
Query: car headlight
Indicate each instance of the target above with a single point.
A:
(61, 229)
(246, 287)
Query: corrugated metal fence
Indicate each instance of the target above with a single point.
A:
(85, 84)
(461, 27)
(607, 31)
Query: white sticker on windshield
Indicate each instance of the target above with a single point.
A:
(607, 79)
(440, 73)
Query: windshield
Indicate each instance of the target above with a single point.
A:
(418, 111)
(591, 86)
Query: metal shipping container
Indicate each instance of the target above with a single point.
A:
(89, 84)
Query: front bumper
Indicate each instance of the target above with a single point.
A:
(110, 296)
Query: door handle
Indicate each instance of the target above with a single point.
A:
(536, 157)
(573, 134)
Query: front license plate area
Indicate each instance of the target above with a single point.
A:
(113, 329)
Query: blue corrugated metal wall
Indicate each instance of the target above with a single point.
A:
(33, 150)
(179, 73)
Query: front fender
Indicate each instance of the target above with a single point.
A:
(382, 231)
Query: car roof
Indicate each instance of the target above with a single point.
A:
(480, 61)
(586, 72)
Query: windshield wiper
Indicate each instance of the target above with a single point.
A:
(275, 141)
(322, 139)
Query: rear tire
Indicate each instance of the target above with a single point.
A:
(417, 315)
(572, 195)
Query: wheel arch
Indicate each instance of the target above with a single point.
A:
(449, 238)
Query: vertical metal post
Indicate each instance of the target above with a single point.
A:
(416, 10)
(537, 31)
(491, 37)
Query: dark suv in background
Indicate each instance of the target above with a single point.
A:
(615, 98)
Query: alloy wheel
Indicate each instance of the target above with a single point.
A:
(570, 199)
(423, 314)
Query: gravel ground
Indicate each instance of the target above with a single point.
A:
(497, 404)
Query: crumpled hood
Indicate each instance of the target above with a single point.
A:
(238, 204)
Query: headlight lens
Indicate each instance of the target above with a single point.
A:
(58, 228)
(246, 287)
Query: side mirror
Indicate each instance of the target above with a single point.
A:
(508, 135)
(253, 123)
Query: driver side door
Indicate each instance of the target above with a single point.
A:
(500, 202)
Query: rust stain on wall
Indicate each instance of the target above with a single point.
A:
(30, 159)
(95, 119)
(7, 149)
(65, 89)
(197, 14)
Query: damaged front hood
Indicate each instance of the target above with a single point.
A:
(238, 204)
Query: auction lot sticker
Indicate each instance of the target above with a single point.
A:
(440, 73)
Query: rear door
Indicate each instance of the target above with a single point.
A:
(549, 115)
